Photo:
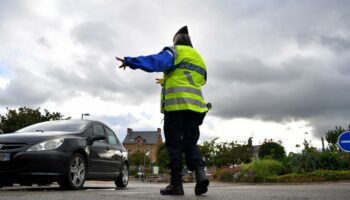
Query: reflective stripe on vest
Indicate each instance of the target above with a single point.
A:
(193, 67)
(183, 100)
(189, 77)
(184, 89)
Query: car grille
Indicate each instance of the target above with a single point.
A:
(11, 146)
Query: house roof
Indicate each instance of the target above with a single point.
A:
(149, 137)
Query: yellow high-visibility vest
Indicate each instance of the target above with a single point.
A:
(182, 85)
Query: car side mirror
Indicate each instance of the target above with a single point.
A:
(91, 140)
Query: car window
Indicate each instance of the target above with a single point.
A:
(57, 125)
(99, 131)
(112, 139)
(89, 132)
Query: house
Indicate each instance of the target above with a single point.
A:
(255, 153)
(254, 150)
(144, 141)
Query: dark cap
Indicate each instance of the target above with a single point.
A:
(184, 38)
(183, 30)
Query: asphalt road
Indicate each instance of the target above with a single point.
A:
(217, 191)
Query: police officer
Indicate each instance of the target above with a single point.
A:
(183, 106)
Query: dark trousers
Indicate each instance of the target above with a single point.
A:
(181, 130)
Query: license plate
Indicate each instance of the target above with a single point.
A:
(4, 156)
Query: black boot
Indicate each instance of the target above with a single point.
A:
(175, 186)
(202, 182)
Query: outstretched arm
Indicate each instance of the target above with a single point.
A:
(153, 63)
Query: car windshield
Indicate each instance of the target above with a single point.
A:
(59, 125)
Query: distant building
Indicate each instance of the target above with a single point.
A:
(144, 141)
(255, 155)
(254, 150)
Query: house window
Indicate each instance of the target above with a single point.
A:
(139, 141)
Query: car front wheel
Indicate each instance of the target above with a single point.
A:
(76, 174)
(123, 180)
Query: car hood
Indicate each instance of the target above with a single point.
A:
(32, 137)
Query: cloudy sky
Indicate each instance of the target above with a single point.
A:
(276, 69)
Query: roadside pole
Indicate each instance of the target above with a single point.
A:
(344, 144)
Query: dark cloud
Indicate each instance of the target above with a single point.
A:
(99, 79)
(89, 75)
(95, 35)
(237, 40)
(253, 71)
(26, 89)
(311, 86)
(299, 89)
(323, 123)
(337, 44)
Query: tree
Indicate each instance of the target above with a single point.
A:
(332, 138)
(138, 158)
(308, 146)
(232, 153)
(270, 149)
(162, 157)
(225, 153)
(312, 159)
(14, 120)
(207, 150)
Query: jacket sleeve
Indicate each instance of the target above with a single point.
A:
(153, 63)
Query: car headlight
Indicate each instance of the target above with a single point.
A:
(47, 145)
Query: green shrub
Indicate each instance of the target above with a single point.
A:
(263, 168)
(332, 175)
(309, 161)
(318, 175)
(226, 174)
(332, 161)
(272, 150)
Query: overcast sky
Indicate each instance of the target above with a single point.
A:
(276, 69)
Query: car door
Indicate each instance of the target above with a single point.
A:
(99, 159)
(115, 151)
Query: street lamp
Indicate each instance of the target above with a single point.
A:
(84, 114)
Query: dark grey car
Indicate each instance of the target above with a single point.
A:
(63, 151)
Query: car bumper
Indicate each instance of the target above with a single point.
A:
(34, 166)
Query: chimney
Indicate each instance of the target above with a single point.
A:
(159, 131)
(250, 142)
(129, 131)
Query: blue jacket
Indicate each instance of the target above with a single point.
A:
(160, 62)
